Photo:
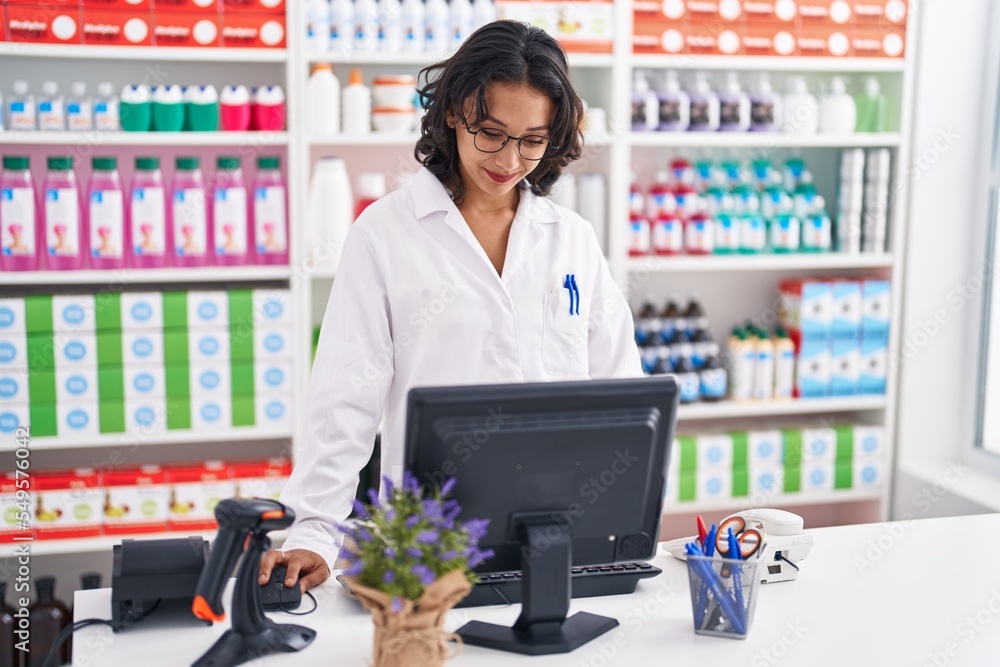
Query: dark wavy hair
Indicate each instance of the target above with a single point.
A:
(502, 52)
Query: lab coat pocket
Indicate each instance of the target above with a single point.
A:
(564, 337)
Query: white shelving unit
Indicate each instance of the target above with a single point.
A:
(236, 435)
(790, 262)
(722, 507)
(762, 140)
(105, 543)
(97, 138)
(145, 53)
(805, 406)
(208, 274)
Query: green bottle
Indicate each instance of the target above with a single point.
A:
(871, 108)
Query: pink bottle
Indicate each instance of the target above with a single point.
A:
(189, 231)
(268, 111)
(229, 213)
(661, 197)
(64, 241)
(19, 230)
(148, 215)
(234, 109)
(105, 221)
(270, 212)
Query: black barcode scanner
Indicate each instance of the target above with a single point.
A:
(243, 528)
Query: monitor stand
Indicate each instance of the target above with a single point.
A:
(542, 628)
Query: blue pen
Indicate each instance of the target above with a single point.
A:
(707, 573)
(736, 553)
(702, 605)
(569, 288)
(576, 290)
(710, 538)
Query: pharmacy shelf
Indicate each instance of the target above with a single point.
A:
(673, 508)
(767, 64)
(762, 139)
(370, 139)
(424, 59)
(122, 277)
(98, 138)
(82, 545)
(142, 53)
(803, 406)
(772, 262)
(232, 435)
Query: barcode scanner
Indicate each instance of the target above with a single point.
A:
(243, 528)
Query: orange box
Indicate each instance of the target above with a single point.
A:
(68, 503)
(767, 37)
(133, 5)
(271, 6)
(814, 12)
(659, 36)
(254, 30)
(879, 41)
(136, 500)
(261, 479)
(108, 27)
(63, 4)
(868, 12)
(644, 9)
(16, 510)
(186, 29)
(195, 490)
(823, 41)
(895, 12)
(43, 24)
(200, 6)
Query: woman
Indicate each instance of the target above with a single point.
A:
(467, 275)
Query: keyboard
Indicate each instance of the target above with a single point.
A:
(587, 581)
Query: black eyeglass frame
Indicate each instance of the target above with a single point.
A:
(549, 145)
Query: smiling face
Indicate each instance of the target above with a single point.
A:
(519, 110)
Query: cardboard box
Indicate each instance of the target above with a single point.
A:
(273, 306)
(814, 12)
(272, 6)
(822, 40)
(73, 313)
(133, 5)
(195, 490)
(74, 349)
(17, 505)
(204, 345)
(208, 309)
(766, 481)
(142, 347)
(44, 24)
(212, 380)
(869, 474)
(75, 384)
(273, 411)
(660, 37)
(213, 412)
(818, 475)
(876, 303)
(806, 305)
(136, 500)
(12, 317)
(764, 448)
(763, 37)
(874, 366)
(144, 381)
(877, 42)
(261, 479)
(715, 451)
(869, 442)
(145, 415)
(12, 417)
(202, 6)
(845, 367)
(187, 29)
(142, 311)
(107, 27)
(13, 386)
(813, 368)
(77, 418)
(13, 352)
(253, 30)
(785, 11)
(270, 343)
(819, 444)
(273, 376)
(871, 12)
(68, 503)
(846, 309)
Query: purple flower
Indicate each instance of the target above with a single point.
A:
(451, 554)
(450, 510)
(360, 509)
(373, 499)
(388, 577)
(413, 552)
(390, 553)
(448, 486)
(413, 521)
(397, 605)
(363, 535)
(476, 529)
(476, 556)
(431, 509)
(390, 514)
(427, 537)
(355, 569)
(389, 487)
(410, 483)
(424, 574)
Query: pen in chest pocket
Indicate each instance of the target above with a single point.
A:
(574, 293)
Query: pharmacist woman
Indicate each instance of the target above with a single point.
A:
(467, 275)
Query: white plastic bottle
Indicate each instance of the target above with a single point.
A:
(323, 101)
(592, 204)
(51, 109)
(357, 103)
(366, 26)
(106, 115)
(763, 382)
(329, 212)
(21, 108)
(741, 362)
(564, 191)
(784, 365)
(483, 12)
(838, 113)
(461, 22)
(342, 27)
(317, 25)
(79, 109)
(413, 26)
(437, 22)
(801, 115)
(390, 26)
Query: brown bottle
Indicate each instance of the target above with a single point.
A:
(8, 654)
(48, 617)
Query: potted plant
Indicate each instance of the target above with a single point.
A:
(410, 561)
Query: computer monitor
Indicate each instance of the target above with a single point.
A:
(568, 473)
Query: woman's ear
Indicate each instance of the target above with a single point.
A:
(451, 118)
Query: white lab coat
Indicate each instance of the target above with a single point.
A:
(417, 302)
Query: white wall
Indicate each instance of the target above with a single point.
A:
(944, 258)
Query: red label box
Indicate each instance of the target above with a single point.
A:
(254, 30)
(200, 6)
(271, 6)
(136, 500)
(43, 24)
(68, 504)
(186, 29)
(195, 490)
(143, 6)
(62, 4)
(117, 28)
(877, 42)
(879, 12)
(763, 37)
(823, 41)
(17, 514)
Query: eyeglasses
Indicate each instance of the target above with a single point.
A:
(491, 140)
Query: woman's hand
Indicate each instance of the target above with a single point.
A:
(308, 567)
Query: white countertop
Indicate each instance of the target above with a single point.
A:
(916, 593)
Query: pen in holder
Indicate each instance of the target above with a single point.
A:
(723, 594)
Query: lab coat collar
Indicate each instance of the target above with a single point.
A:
(430, 196)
